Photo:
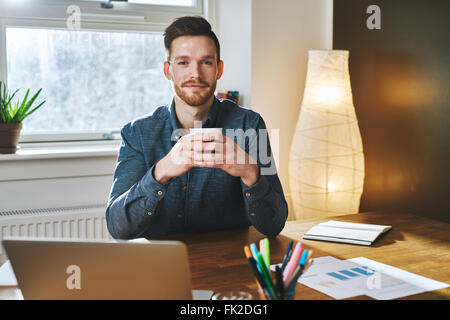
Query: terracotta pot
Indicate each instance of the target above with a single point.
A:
(9, 137)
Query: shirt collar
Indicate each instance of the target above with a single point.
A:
(173, 116)
(209, 121)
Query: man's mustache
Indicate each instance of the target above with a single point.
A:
(195, 83)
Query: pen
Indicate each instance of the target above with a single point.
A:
(298, 269)
(254, 251)
(262, 266)
(290, 288)
(279, 283)
(304, 264)
(266, 253)
(261, 247)
(303, 258)
(292, 263)
(287, 255)
(255, 256)
(259, 278)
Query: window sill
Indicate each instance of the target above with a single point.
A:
(59, 160)
(38, 151)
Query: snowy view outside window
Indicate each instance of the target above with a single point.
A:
(165, 2)
(91, 80)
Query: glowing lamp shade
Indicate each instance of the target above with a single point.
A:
(326, 165)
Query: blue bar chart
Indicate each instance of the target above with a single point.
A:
(351, 273)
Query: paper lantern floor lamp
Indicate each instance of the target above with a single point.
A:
(326, 165)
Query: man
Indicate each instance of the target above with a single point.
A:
(166, 184)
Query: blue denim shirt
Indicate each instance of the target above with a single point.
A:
(203, 199)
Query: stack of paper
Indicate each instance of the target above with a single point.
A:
(346, 232)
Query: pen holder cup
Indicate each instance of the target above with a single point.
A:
(262, 296)
(286, 295)
(232, 295)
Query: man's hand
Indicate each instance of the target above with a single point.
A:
(207, 150)
(178, 161)
(219, 151)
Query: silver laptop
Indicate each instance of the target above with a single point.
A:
(66, 269)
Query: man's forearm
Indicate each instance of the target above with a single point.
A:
(131, 213)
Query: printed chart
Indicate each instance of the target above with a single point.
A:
(342, 279)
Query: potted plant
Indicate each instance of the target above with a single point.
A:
(11, 117)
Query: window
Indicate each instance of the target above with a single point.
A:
(94, 79)
(188, 3)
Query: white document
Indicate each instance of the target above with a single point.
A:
(321, 276)
(346, 232)
(415, 284)
(7, 276)
(341, 279)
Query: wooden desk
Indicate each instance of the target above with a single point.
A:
(414, 244)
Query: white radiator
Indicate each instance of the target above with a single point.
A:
(83, 222)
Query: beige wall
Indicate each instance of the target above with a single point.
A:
(282, 33)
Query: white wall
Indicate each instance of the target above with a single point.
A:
(54, 178)
(282, 33)
(233, 28)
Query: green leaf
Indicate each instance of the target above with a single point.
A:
(12, 111)
(29, 103)
(33, 110)
(12, 96)
(2, 116)
(19, 110)
(22, 107)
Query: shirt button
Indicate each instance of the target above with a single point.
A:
(253, 214)
(149, 213)
(179, 216)
(247, 194)
(160, 192)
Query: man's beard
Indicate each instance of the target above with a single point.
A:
(195, 98)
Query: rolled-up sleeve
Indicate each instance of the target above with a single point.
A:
(135, 194)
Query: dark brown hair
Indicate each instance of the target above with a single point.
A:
(189, 26)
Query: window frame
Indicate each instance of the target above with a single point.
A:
(124, 17)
